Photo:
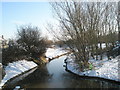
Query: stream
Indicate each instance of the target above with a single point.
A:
(53, 75)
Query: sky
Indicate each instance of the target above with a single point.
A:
(24, 13)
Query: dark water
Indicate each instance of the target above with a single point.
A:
(55, 76)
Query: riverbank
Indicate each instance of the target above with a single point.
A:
(100, 69)
(106, 69)
(19, 68)
(16, 69)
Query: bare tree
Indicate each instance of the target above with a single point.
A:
(83, 25)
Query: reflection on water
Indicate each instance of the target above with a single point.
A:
(55, 76)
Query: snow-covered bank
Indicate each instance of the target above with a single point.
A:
(105, 68)
(52, 52)
(16, 68)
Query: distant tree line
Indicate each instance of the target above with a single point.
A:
(29, 43)
(85, 26)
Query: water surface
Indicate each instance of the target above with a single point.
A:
(55, 76)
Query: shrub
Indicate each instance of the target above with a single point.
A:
(28, 44)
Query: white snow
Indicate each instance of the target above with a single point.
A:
(102, 68)
(103, 45)
(0, 64)
(52, 52)
(17, 88)
(16, 68)
(105, 68)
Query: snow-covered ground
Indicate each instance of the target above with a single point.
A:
(52, 52)
(103, 45)
(102, 68)
(105, 68)
(16, 68)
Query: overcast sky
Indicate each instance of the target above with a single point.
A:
(21, 13)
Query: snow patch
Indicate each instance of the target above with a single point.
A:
(52, 52)
(16, 68)
(107, 69)
(102, 45)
